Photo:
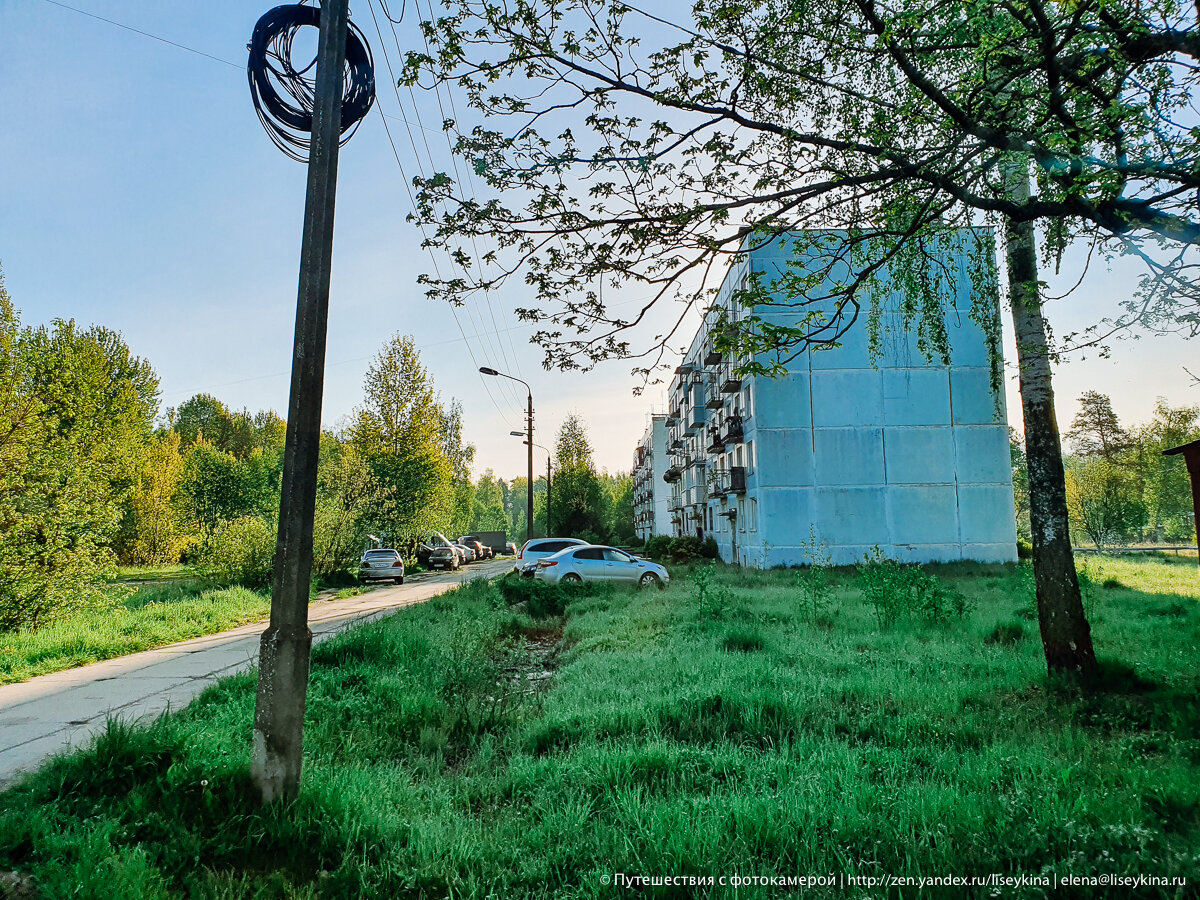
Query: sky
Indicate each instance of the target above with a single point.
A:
(138, 191)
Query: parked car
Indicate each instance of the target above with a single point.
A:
(468, 552)
(383, 564)
(481, 550)
(437, 552)
(595, 562)
(510, 548)
(539, 547)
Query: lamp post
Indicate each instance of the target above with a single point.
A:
(521, 434)
(484, 370)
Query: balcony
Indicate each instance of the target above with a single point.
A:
(713, 356)
(732, 384)
(715, 443)
(715, 400)
(698, 417)
(734, 430)
(672, 475)
(728, 481)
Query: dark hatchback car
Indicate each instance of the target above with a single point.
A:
(482, 551)
(437, 552)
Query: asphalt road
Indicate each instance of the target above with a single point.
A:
(53, 713)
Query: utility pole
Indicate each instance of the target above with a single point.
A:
(284, 652)
(548, 531)
(529, 486)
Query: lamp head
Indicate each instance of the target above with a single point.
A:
(486, 371)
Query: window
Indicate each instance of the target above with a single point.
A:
(589, 553)
(613, 555)
(753, 514)
(750, 455)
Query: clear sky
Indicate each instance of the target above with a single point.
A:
(139, 191)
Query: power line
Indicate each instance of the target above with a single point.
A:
(155, 37)
(412, 200)
(420, 167)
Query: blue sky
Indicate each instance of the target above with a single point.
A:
(138, 191)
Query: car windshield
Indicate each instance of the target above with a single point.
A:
(380, 554)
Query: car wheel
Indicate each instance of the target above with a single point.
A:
(648, 580)
(570, 578)
(399, 580)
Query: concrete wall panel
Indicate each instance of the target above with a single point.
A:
(983, 455)
(848, 456)
(986, 514)
(851, 515)
(923, 514)
(847, 398)
(919, 455)
(972, 397)
(916, 397)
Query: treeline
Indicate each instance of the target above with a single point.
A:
(91, 477)
(1120, 488)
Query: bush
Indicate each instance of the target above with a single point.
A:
(541, 600)
(711, 600)
(708, 548)
(1024, 549)
(658, 547)
(241, 551)
(897, 591)
(1006, 634)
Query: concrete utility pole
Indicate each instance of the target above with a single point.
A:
(529, 486)
(487, 370)
(284, 652)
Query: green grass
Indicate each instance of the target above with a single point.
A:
(156, 612)
(674, 737)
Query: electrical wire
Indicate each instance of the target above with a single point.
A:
(272, 75)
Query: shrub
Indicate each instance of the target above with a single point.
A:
(1024, 549)
(813, 580)
(542, 600)
(242, 551)
(1006, 634)
(658, 547)
(896, 591)
(743, 640)
(711, 600)
(709, 549)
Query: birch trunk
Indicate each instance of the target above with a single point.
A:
(1066, 635)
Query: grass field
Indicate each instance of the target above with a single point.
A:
(463, 748)
(148, 609)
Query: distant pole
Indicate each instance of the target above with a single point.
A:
(529, 486)
(284, 651)
(548, 532)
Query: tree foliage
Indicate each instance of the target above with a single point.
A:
(75, 409)
(618, 146)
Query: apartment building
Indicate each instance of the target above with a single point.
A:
(847, 450)
(651, 515)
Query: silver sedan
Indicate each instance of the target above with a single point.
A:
(594, 562)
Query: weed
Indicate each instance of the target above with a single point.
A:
(1006, 634)
(896, 591)
(813, 581)
(743, 640)
(712, 600)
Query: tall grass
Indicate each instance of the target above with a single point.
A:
(150, 615)
(676, 738)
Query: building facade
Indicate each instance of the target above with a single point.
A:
(848, 450)
(651, 515)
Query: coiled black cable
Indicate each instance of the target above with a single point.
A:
(272, 75)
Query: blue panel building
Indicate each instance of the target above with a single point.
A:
(851, 449)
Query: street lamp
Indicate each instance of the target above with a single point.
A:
(521, 434)
(484, 370)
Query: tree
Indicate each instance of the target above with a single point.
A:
(760, 118)
(490, 514)
(1168, 496)
(76, 407)
(1105, 500)
(157, 525)
(401, 432)
(1095, 431)
(578, 508)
